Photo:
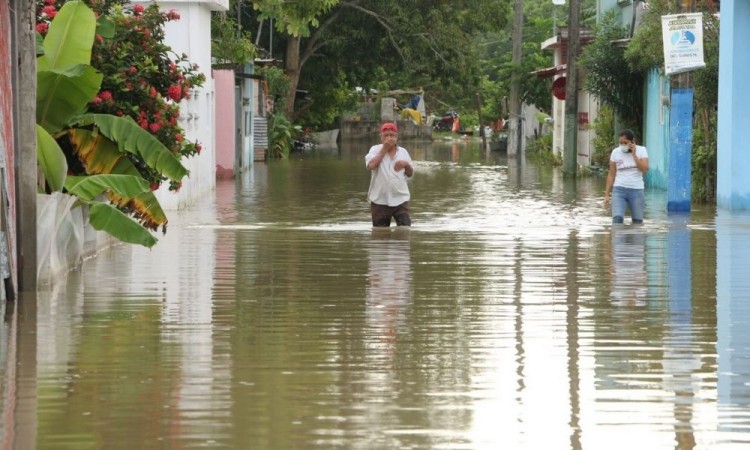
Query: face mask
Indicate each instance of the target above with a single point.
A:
(624, 149)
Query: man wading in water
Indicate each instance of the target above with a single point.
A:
(391, 167)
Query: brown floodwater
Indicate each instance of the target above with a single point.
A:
(512, 315)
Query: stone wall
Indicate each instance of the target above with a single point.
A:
(370, 130)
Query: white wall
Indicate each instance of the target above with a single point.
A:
(587, 103)
(192, 35)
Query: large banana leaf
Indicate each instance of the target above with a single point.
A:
(104, 217)
(70, 38)
(64, 93)
(147, 209)
(89, 187)
(133, 139)
(101, 156)
(98, 154)
(51, 159)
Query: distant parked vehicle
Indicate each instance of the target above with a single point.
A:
(445, 123)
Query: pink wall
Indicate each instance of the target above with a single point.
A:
(225, 123)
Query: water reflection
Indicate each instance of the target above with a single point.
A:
(511, 316)
(681, 363)
(629, 280)
(733, 310)
(389, 283)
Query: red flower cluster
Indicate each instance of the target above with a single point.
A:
(103, 97)
(49, 11)
(141, 80)
(175, 92)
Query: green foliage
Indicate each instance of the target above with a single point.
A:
(646, 50)
(230, 46)
(608, 76)
(539, 150)
(294, 18)
(405, 44)
(329, 98)
(64, 92)
(72, 140)
(469, 119)
(278, 85)
(604, 132)
(105, 217)
(67, 39)
(145, 80)
(134, 140)
(704, 157)
(89, 187)
(51, 159)
(706, 81)
(706, 86)
(281, 136)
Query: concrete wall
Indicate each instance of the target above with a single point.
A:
(656, 129)
(624, 10)
(370, 130)
(225, 123)
(192, 35)
(733, 186)
(588, 105)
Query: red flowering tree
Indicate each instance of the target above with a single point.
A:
(142, 77)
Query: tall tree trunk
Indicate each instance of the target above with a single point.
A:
(292, 69)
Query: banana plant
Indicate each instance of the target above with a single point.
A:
(104, 216)
(66, 83)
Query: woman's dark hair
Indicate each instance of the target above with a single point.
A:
(628, 134)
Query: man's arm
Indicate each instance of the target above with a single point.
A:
(405, 165)
(377, 158)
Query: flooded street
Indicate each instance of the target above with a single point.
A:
(512, 315)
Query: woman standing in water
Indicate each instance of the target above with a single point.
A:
(627, 165)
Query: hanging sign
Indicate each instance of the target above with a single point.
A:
(558, 88)
(683, 42)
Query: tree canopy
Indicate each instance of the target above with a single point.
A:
(452, 49)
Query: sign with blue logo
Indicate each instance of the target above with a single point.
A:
(683, 42)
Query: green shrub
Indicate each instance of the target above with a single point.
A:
(609, 76)
(539, 150)
(281, 136)
(604, 131)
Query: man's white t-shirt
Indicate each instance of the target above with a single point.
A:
(387, 186)
(628, 175)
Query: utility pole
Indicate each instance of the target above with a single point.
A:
(481, 123)
(570, 154)
(515, 147)
(26, 165)
(679, 187)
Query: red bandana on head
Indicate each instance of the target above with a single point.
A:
(389, 126)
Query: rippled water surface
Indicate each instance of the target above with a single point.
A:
(512, 315)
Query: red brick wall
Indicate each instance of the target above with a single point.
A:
(6, 111)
